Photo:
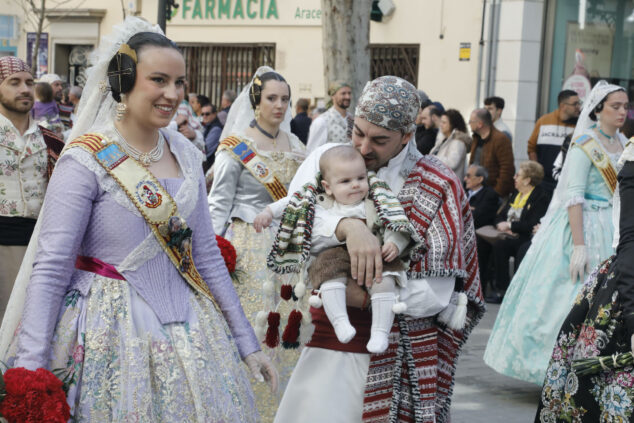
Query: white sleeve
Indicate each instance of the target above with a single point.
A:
(427, 297)
(279, 206)
(318, 134)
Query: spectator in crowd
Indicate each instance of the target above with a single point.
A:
(201, 101)
(301, 122)
(550, 130)
(64, 109)
(495, 106)
(183, 125)
(228, 97)
(452, 150)
(212, 132)
(484, 202)
(23, 149)
(490, 148)
(426, 131)
(483, 199)
(517, 219)
(192, 98)
(335, 125)
(45, 110)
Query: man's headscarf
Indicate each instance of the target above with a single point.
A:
(10, 65)
(389, 102)
(335, 86)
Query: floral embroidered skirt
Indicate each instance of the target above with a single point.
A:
(594, 327)
(252, 249)
(128, 367)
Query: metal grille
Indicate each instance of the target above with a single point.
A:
(395, 59)
(214, 68)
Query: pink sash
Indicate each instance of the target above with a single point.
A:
(94, 265)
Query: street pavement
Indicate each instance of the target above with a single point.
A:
(482, 395)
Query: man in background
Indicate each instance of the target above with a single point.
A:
(335, 125)
(495, 106)
(301, 122)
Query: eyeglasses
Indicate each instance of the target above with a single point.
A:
(206, 114)
(575, 104)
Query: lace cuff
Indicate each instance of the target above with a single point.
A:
(574, 201)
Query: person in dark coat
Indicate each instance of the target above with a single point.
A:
(518, 218)
(484, 202)
(301, 122)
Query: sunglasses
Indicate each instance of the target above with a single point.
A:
(207, 114)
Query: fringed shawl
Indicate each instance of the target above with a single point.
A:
(413, 380)
(291, 247)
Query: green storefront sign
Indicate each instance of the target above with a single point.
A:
(228, 9)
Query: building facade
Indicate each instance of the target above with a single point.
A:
(457, 51)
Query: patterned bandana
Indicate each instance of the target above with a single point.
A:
(389, 102)
(10, 65)
(336, 86)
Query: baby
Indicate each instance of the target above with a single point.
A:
(345, 181)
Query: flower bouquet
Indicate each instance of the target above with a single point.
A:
(229, 255)
(590, 366)
(28, 396)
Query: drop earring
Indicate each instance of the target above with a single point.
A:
(257, 112)
(121, 108)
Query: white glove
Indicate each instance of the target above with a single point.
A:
(262, 369)
(578, 263)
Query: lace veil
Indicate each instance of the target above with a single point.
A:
(241, 113)
(96, 107)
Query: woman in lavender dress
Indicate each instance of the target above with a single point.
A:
(136, 341)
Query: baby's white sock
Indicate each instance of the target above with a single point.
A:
(382, 320)
(333, 297)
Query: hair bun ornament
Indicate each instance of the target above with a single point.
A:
(255, 92)
(122, 71)
(127, 50)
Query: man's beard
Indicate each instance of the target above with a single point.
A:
(14, 106)
(343, 104)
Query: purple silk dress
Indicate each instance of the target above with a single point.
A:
(147, 348)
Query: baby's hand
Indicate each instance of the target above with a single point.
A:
(389, 251)
(263, 220)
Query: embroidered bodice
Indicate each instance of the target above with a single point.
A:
(236, 193)
(87, 213)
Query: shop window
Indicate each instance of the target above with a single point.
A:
(395, 59)
(214, 68)
(8, 27)
(600, 47)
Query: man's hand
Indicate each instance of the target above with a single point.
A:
(366, 262)
(390, 251)
(187, 130)
(263, 220)
(504, 227)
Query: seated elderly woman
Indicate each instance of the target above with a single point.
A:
(517, 219)
(452, 150)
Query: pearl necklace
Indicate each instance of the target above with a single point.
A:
(146, 159)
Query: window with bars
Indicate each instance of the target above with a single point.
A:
(395, 59)
(214, 68)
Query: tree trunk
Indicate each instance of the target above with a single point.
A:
(36, 46)
(346, 38)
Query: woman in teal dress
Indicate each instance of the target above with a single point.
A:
(575, 236)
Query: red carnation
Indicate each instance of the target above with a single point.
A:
(33, 396)
(228, 253)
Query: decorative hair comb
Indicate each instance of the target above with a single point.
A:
(125, 49)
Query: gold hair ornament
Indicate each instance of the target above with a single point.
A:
(125, 49)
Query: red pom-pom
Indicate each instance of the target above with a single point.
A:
(272, 338)
(290, 337)
(286, 292)
(33, 396)
(228, 253)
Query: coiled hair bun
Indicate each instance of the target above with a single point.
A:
(255, 93)
(122, 66)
